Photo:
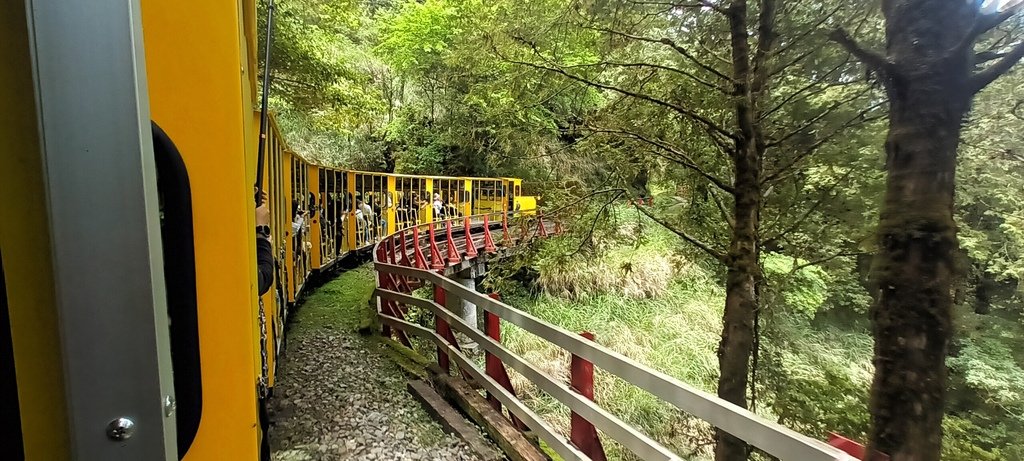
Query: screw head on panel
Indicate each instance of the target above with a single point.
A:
(169, 406)
(121, 429)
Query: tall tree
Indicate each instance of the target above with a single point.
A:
(713, 90)
(930, 73)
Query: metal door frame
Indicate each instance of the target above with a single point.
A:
(90, 82)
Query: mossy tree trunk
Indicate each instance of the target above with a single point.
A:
(928, 75)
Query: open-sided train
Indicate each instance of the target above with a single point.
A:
(130, 326)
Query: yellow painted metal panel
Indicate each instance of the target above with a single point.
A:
(350, 236)
(200, 97)
(392, 204)
(315, 234)
(25, 245)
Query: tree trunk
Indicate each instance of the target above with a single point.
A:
(737, 344)
(914, 268)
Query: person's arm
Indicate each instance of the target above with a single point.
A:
(264, 264)
(264, 250)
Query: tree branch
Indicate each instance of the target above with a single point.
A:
(823, 260)
(766, 37)
(982, 79)
(807, 213)
(873, 60)
(667, 42)
(798, 38)
(645, 97)
(655, 66)
(816, 118)
(821, 141)
(593, 224)
(982, 25)
(681, 157)
(718, 255)
(813, 84)
(721, 209)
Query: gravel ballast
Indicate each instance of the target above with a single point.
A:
(339, 395)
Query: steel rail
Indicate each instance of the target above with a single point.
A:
(770, 437)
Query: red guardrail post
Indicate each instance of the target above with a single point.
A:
(506, 237)
(470, 244)
(403, 257)
(435, 254)
(493, 366)
(853, 448)
(581, 432)
(382, 283)
(453, 253)
(441, 328)
(488, 242)
(417, 252)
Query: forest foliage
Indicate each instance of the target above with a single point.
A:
(595, 102)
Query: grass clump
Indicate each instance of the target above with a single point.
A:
(676, 332)
(342, 304)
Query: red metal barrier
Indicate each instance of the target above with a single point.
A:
(390, 308)
(558, 227)
(488, 242)
(440, 327)
(421, 261)
(493, 366)
(506, 239)
(435, 254)
(853, 448)
(470, 244)
(453, 253)
(542, 230)
(582, 433)
(401, 282)
(403, 257)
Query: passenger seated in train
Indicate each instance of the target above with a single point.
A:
(438, 207)
(368, 218)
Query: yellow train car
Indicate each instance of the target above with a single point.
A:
(130, 321)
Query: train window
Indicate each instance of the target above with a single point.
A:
(10, 414)
(180, 279)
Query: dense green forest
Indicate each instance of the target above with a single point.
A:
(800, 160)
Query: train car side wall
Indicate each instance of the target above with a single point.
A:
(194, 51)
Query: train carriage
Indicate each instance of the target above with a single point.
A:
(130, 323)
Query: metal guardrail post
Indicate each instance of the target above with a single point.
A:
(403, 257)
(470, 244)
(488, 241)
(421, 261)
(441, 327)
(453, 253)
(506, 237)
(435, 254)
(581, 432)
(493, 366)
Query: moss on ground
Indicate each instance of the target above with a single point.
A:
(340, 304)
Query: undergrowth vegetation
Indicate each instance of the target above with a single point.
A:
(633, 286)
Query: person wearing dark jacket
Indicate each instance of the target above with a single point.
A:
(264, 251)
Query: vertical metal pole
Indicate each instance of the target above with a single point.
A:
(264, 116)
(89, 70)
(441, 327)
(492, 364)
(581, 432)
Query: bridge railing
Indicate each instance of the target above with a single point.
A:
(397, 274)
